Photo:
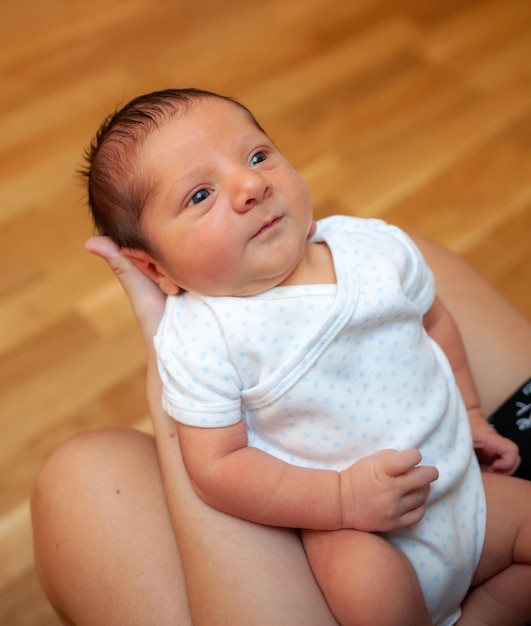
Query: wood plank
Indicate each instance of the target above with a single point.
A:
(418, 112)
(471, 199)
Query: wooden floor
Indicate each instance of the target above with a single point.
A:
(418, 112)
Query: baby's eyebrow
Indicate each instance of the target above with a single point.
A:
(191, 170)
(253, 133)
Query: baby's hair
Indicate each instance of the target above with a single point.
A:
(118, 190)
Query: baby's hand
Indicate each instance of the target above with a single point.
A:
(495, 453)
(386, 491)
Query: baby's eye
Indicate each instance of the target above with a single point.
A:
(199, 196)
(259, 157)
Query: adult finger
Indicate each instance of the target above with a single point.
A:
(146, 299)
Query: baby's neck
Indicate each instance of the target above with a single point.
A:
(315, 268)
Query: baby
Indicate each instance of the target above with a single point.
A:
(317, 380)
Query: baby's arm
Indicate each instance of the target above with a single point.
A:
(381, 492)
(495, 453)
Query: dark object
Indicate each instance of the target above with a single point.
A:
(513, 420)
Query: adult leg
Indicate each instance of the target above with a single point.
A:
(496, 335)
(106, 551)
(104, 547)
(365, 579)
(502, 583)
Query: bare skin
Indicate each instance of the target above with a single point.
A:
(267, 579)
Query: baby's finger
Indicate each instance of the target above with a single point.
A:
(411, 517)
(418, 479)
(424, 475)
(506, 464)
(395, 462)
(414, 499)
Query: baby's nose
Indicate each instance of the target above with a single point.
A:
(252, 188)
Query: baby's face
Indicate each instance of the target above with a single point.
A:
(230, 215)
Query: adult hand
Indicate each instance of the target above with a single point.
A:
(147, 300)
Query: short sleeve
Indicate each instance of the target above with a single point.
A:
(393, 244)
(416, 278)
(201, 386)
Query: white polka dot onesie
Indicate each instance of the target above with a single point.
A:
(323, 375)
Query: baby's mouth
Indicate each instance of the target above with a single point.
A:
(267, 226)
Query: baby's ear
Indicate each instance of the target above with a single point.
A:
(152, 269)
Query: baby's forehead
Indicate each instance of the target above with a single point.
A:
(182, 110)
(220, 107)
(193, 137)
(206, 117)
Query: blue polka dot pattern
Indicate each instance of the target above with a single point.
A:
(326, 374)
